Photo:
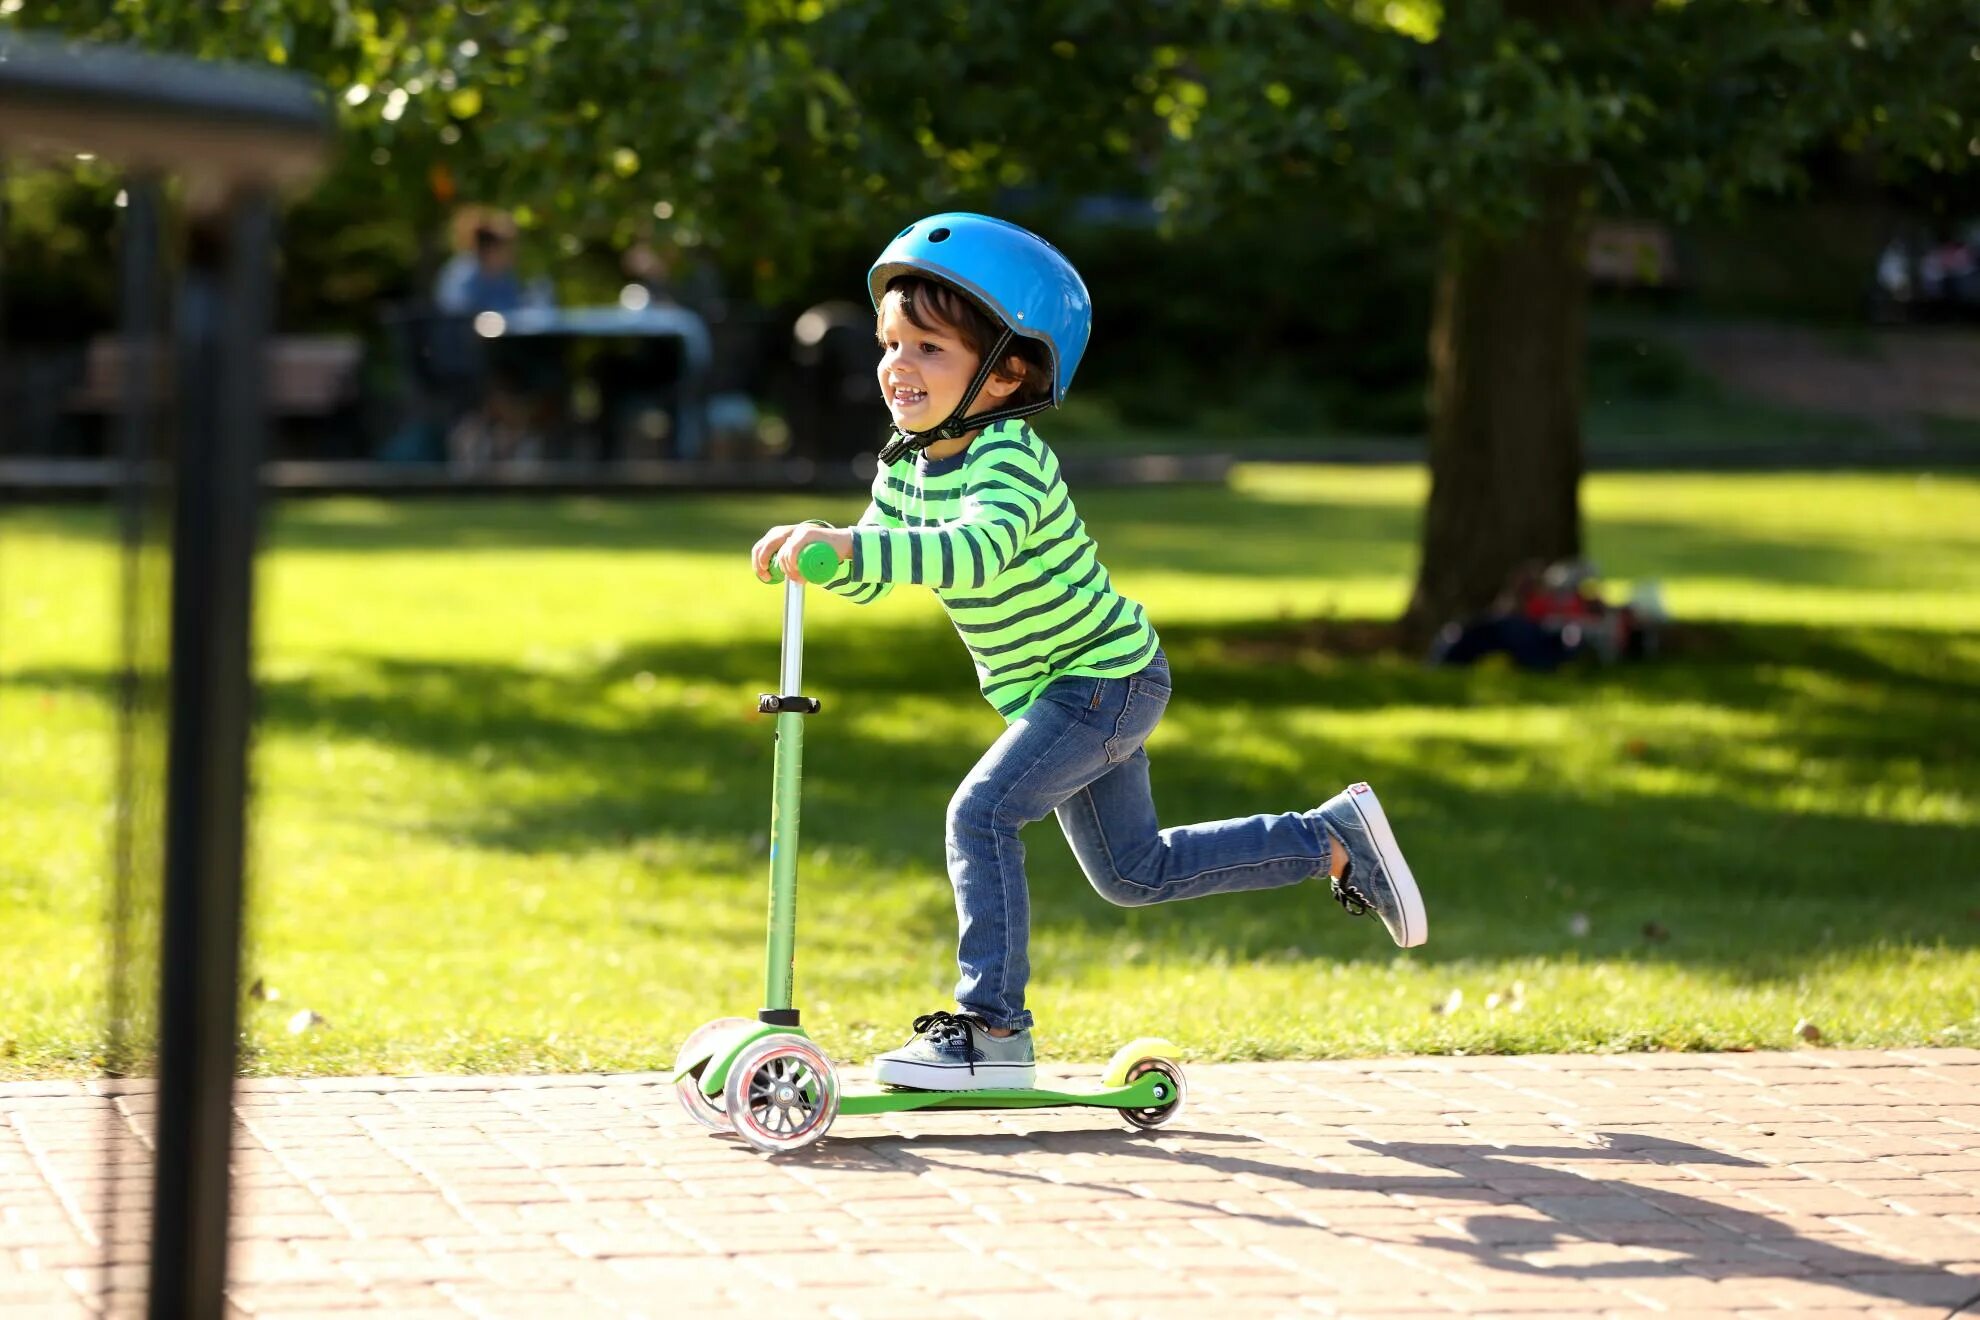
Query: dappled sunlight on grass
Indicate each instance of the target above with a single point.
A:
(513, 797)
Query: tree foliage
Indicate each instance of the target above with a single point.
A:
(777, 129)
(768, 130)
(1673, 108)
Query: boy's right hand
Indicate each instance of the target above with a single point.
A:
(766, 549)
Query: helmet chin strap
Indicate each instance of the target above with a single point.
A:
(905, 442)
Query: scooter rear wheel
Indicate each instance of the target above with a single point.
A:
(1155, 1116)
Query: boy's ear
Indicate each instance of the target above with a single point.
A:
(1002, 384)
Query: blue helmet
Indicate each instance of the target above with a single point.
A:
(1018, 278)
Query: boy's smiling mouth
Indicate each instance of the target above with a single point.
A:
(906, 396)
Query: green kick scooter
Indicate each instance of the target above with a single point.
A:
(764, 1079)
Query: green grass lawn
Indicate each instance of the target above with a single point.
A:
(512, 801)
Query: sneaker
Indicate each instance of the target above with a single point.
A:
(1376, 878)
(956, 1052)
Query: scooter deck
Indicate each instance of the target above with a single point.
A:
(1138, 1094)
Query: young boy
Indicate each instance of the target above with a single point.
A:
(982, 324)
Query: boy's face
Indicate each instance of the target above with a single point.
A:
(923, 373)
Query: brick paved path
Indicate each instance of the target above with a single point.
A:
(1824, 1183)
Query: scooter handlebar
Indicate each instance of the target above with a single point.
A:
(818, 562)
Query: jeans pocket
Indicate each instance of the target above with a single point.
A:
(1141, 711)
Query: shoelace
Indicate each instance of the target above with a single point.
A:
(1348, 896)
(946, 1029)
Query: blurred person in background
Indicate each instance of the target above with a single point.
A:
(481, 276)
(510, 421)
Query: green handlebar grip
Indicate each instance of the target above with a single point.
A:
(817, 561)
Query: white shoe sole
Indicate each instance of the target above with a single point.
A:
(956, 1076)
(1415, 924)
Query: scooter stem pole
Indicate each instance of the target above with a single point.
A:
(778, 969)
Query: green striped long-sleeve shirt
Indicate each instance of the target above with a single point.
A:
(993, 531)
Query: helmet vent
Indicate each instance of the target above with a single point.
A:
(937, 235)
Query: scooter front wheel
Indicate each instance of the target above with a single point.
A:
(702, 1107)
(782, 1093)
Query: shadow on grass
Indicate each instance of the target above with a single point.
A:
(1354, 665)
(1694, 1239)
(1509, 847)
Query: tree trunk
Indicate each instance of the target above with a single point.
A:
(1506, 347)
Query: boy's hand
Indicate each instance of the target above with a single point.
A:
(766, 546)
(839, 538)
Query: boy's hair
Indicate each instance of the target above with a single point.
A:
(934, 305)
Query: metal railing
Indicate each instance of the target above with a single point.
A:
(227, 139)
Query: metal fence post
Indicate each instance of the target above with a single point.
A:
(233, 135)
(224, 309)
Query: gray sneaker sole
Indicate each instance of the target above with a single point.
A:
(1409, 900)
(955, 1076)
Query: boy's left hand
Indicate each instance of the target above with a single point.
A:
(839, 538)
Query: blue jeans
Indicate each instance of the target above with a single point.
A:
(1078, 751)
